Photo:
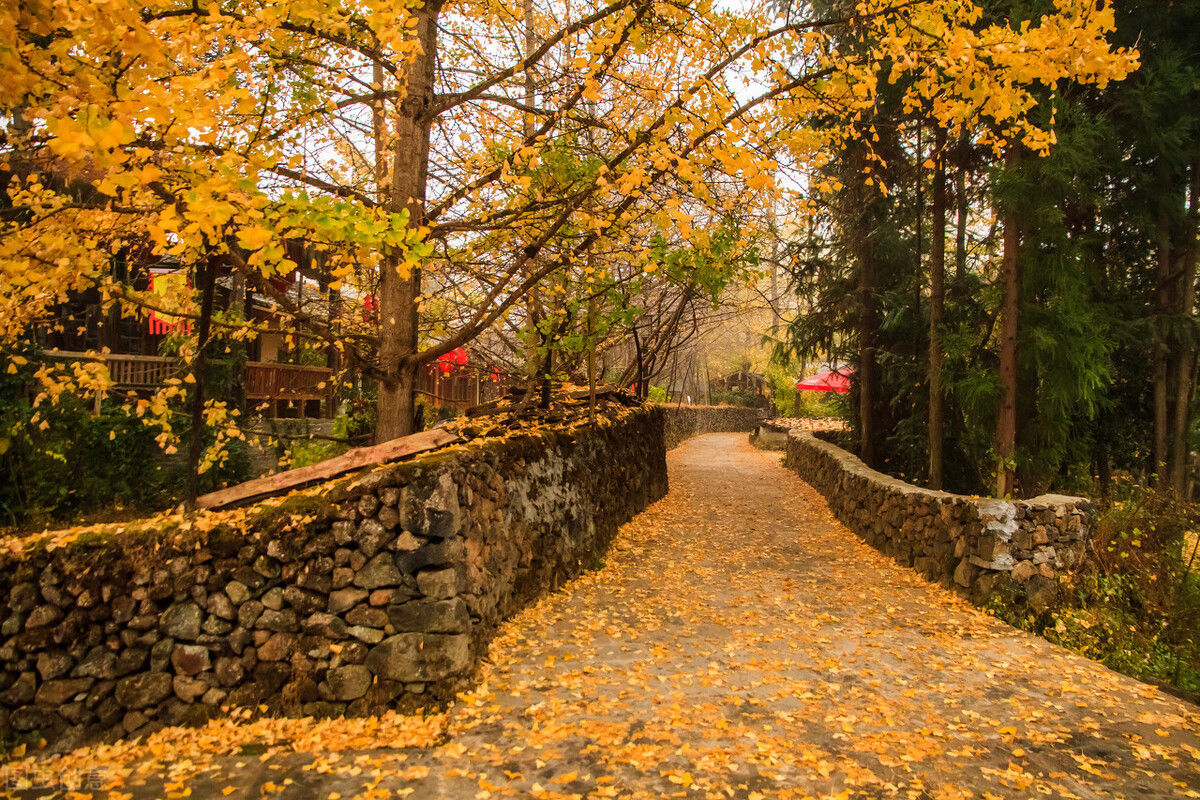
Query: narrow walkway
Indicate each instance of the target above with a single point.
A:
(740, 643)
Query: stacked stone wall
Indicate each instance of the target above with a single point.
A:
(684, 422)
(1018, 550)
(772, 434)
(380, 590)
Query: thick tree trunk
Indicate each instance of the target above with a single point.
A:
(1181, 423)
(867, 378)
(400, 287)
(379, 136)
(937, 309)
(1006, 416)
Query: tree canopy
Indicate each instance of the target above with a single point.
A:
(547, 174)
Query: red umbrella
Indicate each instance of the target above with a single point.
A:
(832, 381)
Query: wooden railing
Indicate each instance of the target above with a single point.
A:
(287, 388)
(126, 371)
(462, 388)
(302, 389)
(140, 371)
(268, 379)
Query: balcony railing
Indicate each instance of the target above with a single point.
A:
(284, 389)
(462, 387)
(287, 387)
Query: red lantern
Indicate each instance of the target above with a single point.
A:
(456, 357)
(370, 308)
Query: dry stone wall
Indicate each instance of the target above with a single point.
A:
(1018, 550)
(379, 591)
(772, 434)
(684, 422)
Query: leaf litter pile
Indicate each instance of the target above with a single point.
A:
(737, 643)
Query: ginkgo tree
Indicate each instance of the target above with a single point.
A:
(223, 132)
(407, 143)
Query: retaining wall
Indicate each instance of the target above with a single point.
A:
(772, 434)
(981, 546)
(684, 422)
(380, 590)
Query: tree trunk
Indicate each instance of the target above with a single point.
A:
(207, 278)
(238, 351)
(591, 357)
(960, 199)
(637, 352)
(1006, 416)
(918, 283)
(937, 308)
(1180, 448)
(399, 287)
(379, 135)
(1163, 308)
(1103, 457)
(868, 322)
(533, 301)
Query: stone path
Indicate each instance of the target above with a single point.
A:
(740, 643)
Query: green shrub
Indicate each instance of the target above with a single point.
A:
(818, 405)
(737, 397)
(303, 452)
(61, 461)
(58, 460)
(351, 427)
(1135, 605)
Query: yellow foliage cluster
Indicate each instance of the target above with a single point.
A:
(561, 139)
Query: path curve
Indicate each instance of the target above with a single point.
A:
(739, 642)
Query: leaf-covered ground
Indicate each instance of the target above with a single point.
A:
(739, 643)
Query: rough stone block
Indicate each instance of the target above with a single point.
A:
(963, 573)
(182, 621)
(54, 693)
(189, 659)
(420, 656)
(440, 583)
(347, 683)
(379, 572)
(278, 647)
(344, 599)
(1023, 571)
(430, 616)
(143, 690)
